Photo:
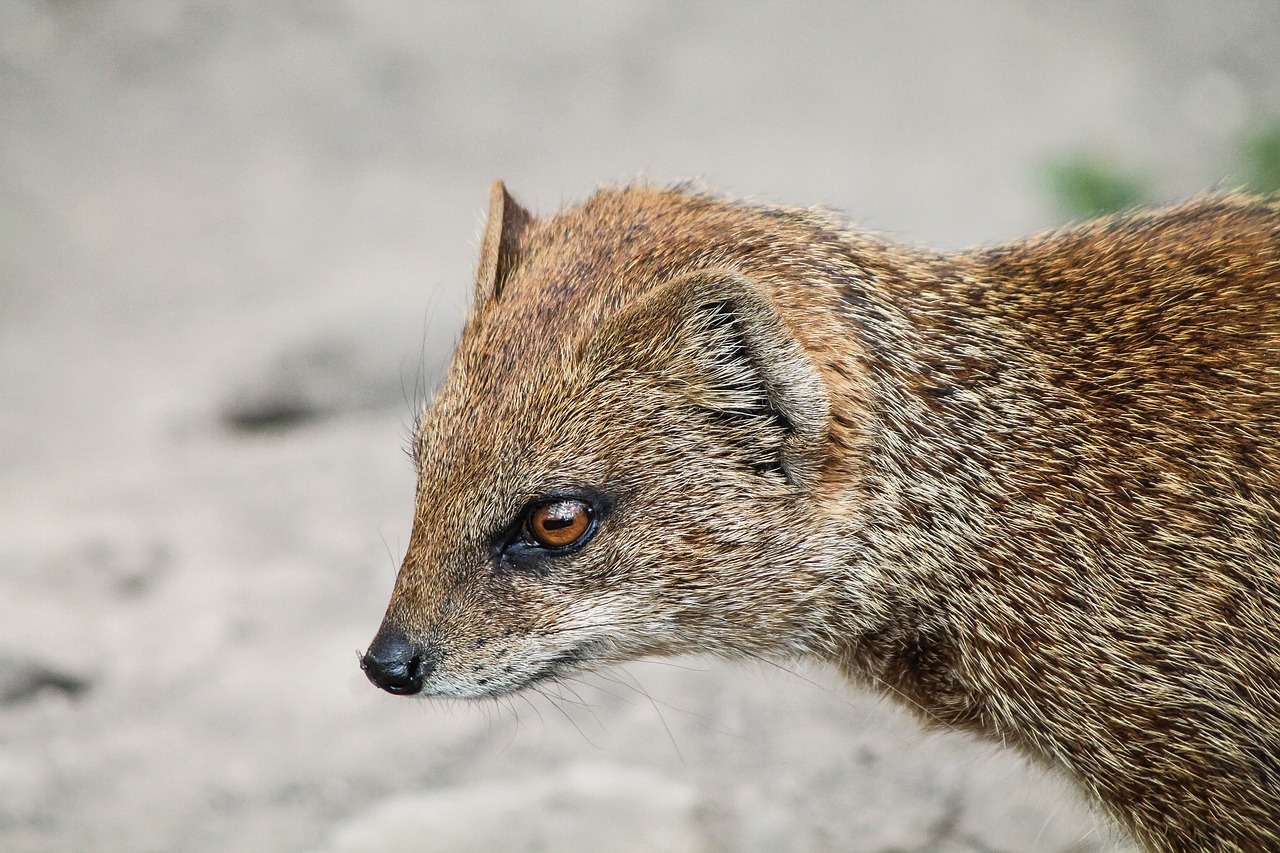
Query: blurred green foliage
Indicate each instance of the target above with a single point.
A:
(1087, 185)
(1261, 155)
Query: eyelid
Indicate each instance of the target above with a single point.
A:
(513, 547)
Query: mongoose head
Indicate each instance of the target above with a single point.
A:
(627, 456)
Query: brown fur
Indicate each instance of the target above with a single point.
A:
(1033, 491)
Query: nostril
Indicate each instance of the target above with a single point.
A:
(396, 664)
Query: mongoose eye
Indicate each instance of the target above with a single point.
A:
(558, 523)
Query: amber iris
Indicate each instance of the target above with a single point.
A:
(558, 524)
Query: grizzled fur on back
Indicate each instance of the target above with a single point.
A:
(1032, 491)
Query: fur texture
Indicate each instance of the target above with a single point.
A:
(1032, 491)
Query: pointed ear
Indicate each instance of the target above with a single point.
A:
(717, 337)
(507, 220)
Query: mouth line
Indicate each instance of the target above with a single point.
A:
(563, 664)
(558, 666)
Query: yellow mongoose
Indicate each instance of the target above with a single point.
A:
(1032, 491)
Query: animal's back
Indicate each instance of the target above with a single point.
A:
(1152, 514)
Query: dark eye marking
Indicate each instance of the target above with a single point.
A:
(550, 526)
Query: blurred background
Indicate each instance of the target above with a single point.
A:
(236, 242)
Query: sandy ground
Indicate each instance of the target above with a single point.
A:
(235, 242)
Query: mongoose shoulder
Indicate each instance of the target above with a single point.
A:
(1031, 490)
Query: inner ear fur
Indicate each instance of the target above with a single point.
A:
(718, 337)
(507, 220)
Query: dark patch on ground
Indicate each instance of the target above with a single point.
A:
(327, 377)
(24, 680)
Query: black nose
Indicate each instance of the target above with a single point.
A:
(395, 664)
